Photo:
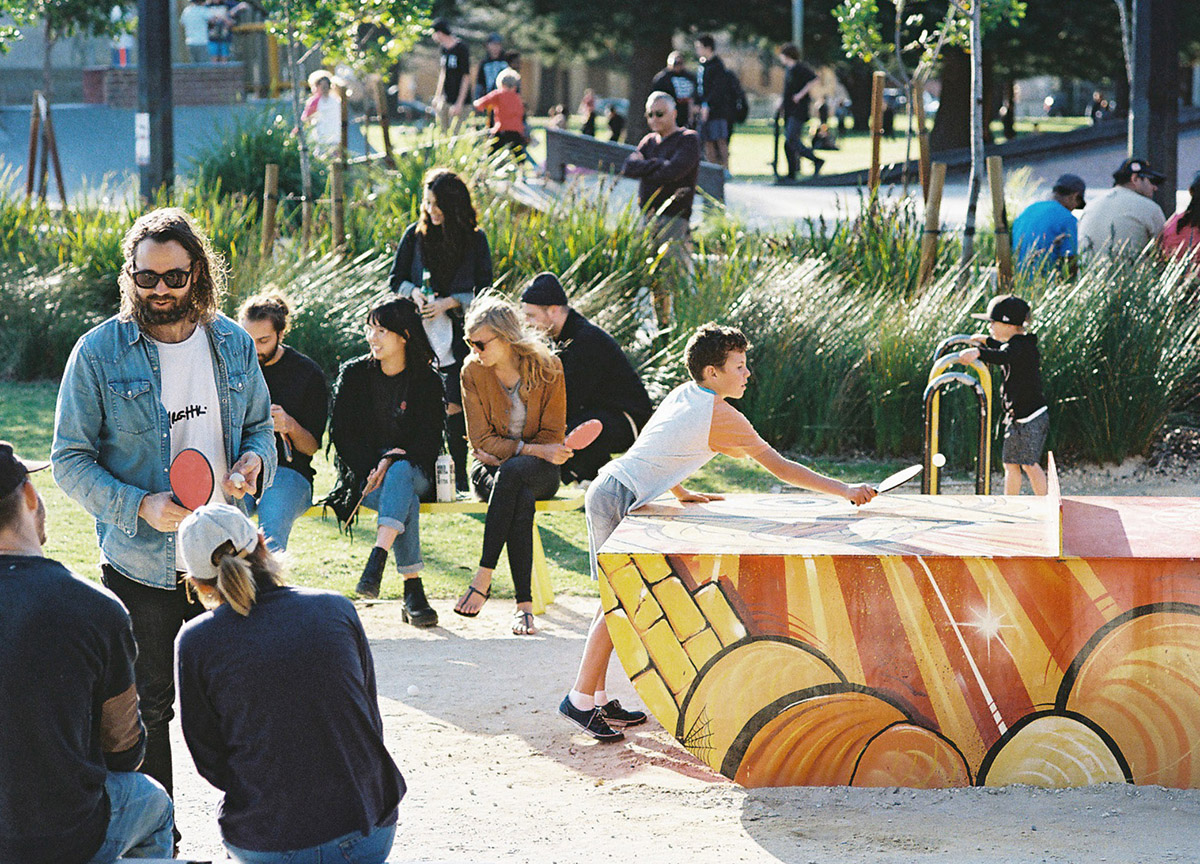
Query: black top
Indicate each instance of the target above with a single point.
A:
(297, 385)
(793, 82)
(681, 85)
(597, 372)
(1021, 389)
(485, 77)
(361, 437)
(716, 89)
(473, 275)
(456, 61)
(280, 712)
(666, 172)
(66, 647)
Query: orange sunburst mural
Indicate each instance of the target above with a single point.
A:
(788, 640)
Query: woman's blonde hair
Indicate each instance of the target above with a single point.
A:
(535, 361)
(240, 575)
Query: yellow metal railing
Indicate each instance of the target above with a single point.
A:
(980, 383)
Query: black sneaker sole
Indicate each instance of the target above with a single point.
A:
(619, 736)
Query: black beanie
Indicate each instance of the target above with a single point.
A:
(545, 290)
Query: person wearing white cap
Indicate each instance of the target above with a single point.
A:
(279, 707)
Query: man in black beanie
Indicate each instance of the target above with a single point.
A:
(601, 382)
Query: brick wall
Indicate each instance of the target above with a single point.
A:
(191, 83)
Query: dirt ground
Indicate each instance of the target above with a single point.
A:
(495, 775)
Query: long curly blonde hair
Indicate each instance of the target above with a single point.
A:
(535, 360)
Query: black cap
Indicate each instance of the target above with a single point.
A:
(440, 25)
(1069, 183)
(1007, 309)
(1137, 166)
(545, 290)
(13, 469)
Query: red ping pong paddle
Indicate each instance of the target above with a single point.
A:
(191, 478)
(583, 434)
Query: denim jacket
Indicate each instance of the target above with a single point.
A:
(110, 417)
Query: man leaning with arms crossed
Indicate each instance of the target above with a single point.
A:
(168, 372)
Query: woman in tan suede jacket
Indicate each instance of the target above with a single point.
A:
(515, 399)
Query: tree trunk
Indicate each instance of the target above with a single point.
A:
(952, 125)
(858, 85)
(294, 75)
(1010, 109)
(968, 246)
(650, 52)
(47, 66)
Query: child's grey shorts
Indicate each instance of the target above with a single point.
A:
(1025, 442)
(605, 505)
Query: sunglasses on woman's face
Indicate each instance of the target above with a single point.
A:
(175, 278)
(480, 344)
(650, 114)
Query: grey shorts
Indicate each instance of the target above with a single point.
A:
(716, 129)
(607, 502)
(1024, 443)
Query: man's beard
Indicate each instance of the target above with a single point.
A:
(146, 314)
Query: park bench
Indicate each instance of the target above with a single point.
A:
(584, 151)
(543, 590)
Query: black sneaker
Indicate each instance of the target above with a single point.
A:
(618, 718)
(592, 722)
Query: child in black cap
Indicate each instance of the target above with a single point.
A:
(1026, 417)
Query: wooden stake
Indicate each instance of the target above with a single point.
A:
(270, 204)
(344, 136)
(1004, 260)
(338, 183)
(52, 147)
(385, 122)
(918, 97)
(35, 127)
(877, 82)
(933, 224)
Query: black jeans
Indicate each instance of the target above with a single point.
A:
(157, 616)
(512, 491)
(616, 437)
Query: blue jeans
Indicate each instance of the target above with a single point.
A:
(398, 502)
(352, 848)
(140, 819)
(793, 144)
(283, 502)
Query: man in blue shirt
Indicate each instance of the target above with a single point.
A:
(1046, 233)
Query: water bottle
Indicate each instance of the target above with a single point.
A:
(426, 287)
(444, 473)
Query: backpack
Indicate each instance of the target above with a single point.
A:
(741, 105)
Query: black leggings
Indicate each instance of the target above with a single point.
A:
(511, 491)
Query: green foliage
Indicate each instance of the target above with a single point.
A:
(369, 34)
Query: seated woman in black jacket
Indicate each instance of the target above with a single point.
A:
(442, 262)
(386, 426)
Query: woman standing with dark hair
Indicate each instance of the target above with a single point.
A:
(279, 707)
(387, 421)
(516, 400)
(442, 262)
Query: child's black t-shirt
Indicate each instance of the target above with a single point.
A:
(1021, 389)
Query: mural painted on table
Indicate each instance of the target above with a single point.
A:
(767, 637)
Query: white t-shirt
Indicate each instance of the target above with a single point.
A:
(1119, 219)
(195, 23)
(440, 330)
(189, 396)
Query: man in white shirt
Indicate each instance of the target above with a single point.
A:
(1124, 220)
(194, 19)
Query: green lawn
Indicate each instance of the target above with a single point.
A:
(322, 557)
(753, 144)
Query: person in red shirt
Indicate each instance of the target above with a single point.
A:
(1181, 236)
(507, 107)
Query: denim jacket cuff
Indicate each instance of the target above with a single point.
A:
(128, 502)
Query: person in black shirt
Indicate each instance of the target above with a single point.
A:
(386, 427)
(71, 737)
(798, 83)
(278, 704)
(601, 382)
(716, 98)
(491, 66)
(1026, 417)
(454, 79)
(299, 410)
(616, 122)
(680, 83)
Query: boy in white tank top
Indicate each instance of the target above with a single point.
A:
(691, 426)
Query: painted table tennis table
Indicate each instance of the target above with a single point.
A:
(922, 641)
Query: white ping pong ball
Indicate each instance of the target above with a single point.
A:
(413, 690)
(237, 479)
(939, 459)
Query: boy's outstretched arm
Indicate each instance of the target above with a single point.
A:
(797, 475)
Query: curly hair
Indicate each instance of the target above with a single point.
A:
(271, 307)
(710, 346)
(208, 268)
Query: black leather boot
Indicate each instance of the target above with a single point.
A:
(372, 575)
(417, 610)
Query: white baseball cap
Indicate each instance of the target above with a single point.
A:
(208, 527)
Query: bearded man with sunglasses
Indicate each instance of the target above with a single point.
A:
(666, 165)
(168, 372)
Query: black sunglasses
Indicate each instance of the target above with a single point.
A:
(175, 278)
(479, 345)
(656, 113)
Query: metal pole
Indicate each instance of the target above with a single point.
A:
(1154, 100)
(155, 124)
(798, 25)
